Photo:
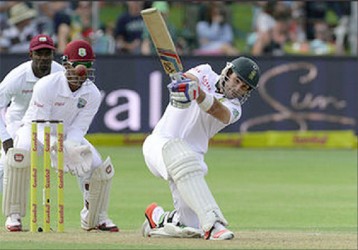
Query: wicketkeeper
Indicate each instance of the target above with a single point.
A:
(72, 97)
(201, 104)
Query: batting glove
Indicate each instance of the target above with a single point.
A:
(179, 105)
(183, 92)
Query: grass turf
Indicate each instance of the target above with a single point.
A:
(288, 199)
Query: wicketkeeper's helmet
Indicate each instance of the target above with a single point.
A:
(78, 52)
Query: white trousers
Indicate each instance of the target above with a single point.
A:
(153, 156)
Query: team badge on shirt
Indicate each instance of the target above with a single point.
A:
(81, 103)
(236, 113)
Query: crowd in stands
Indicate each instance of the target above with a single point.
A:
(278, 27)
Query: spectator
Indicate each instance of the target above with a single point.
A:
(76, 24)
(341, 31)
(129, 29)
(315, 12)
(297, 34)
(103, 41)
(263, 24)
(271, 29)
(191, 9)
(22, 28)
(62, 24)
(45, 16)
(4, 8)
(81, 21)
(322, 42)
(215, 35)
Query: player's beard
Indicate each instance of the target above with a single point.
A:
(45, 68)
(42, 69)
(229, 91)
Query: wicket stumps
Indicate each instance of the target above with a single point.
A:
(47, 179)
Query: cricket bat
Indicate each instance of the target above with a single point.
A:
(162, 41)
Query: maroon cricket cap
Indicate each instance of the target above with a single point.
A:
(41, 42)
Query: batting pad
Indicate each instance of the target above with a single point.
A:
(16, 182)
(99, 189)
(185, 170)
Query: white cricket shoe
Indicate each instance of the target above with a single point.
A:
(105, 224)
(160, 224)
(13, 223)
(218, 232)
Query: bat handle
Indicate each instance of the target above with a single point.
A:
(177, 76)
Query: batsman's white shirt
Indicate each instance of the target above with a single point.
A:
(52, 99)
(192, 124)
(17, 88)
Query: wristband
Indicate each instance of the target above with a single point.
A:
(207, 102)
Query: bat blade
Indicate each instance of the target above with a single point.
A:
(162, 40)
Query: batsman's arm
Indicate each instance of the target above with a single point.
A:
(210, 104)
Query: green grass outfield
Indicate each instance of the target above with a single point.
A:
(273, 199)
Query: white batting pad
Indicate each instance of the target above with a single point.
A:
(99, 189)
(185, 170)
(16, 182)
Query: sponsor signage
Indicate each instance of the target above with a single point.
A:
(295, 93)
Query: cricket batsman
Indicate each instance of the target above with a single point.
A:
(72, 97)
(201, 104)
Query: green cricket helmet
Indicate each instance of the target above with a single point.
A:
(246, 70)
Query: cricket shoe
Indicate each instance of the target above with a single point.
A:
(108, 225)
(218, 232)
(170, 230)
(13, 223)
(153, 213)
(105, 224)
(163, 225)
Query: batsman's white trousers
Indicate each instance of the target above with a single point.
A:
(153, 157)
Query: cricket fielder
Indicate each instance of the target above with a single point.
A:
(201, 104)
(16, 90)
(72, 97)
